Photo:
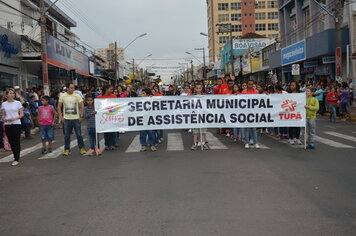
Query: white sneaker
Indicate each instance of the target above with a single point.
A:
(15, 163)
(190, 130)
(257, 146)
(247, 146)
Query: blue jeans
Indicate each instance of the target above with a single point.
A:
(332, 109)
(238, 131)
(110, 139)
(68, 127)
(158, 134)
(47, 133)
(251, 133)
(151, 138)
(92, 137)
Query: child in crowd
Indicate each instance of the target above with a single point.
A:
(202, 132)
(312, 107)
(26, 121)
(89, 114)
(47, 119)
(146, 92)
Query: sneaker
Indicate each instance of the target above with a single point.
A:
(159, 141)
(311, 146)
(190, 130)
(153, 149)
(247, 146)
(66, 153)
(194, 147)
(15, 163)
(205, 147)
(299, 142)
(44, 151)
(98, 151)
(82, 151)
(291, 141)
(162, 139)
(227, 135)
(49, 150)
(257, 146)
(143, 149)
(92, 151)
(112, 148)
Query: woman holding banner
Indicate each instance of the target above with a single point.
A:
(158, 133)
(294, 132)
(144, 134)
(111, 137)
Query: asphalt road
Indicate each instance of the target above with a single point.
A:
(277, 190)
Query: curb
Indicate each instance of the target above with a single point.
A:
(351, 118)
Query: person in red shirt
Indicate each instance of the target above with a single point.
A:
(230, 87)
(110, 138)
(157, 91)
(121, 92)
(218, 89)
(332, 98)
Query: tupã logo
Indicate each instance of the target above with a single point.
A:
(289, 105)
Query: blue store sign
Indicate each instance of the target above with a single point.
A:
(6, 47)
(294, 53)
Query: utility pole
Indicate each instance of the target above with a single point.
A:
(133, 70)
(116, 67)
(339, 8)
(204, 71)
(223, 29)
(192, 69)
(43, 23)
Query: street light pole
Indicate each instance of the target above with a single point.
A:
(203, 49)
(46, 87)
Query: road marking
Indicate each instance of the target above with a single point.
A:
(24, 152)
(343, 136)
(58, 151)
(331, 143)
(175, 142)
(262, 146)
(214, 143)
(135, 145)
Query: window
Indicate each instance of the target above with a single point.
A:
(261, 5)
(272, 4)
(235, 17)
(260, 27)
(273, 26)
(223, 39)
(223, 6)
(223, 17)
(236, 28)
(272, 15)
(236, 6)
(306, 22)
(260, 16)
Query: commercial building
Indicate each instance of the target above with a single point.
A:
(308, 41)
(245, 16)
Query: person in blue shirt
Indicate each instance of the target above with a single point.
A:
(319, 95)
(26, 121)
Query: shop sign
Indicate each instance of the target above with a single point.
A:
(63, 56)
(10, 46)
(328, 60)
(338, 61)
(255, 44)
(295, 69)
(322, 70)
(310, 64)
(7, 47)
(255, 61)
(294, 53)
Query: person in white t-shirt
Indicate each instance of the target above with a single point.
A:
(12, 112)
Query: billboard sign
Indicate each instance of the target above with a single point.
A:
(253, 44)
(63, 56)
(294, 53)
(10, 48)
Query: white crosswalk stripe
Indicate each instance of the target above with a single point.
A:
(175, 142)
(331, 142)
(343, 136)
(214, 143)
(24, 152)
(58, 151)
(135, 145)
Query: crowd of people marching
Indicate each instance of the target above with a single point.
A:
(22, 111)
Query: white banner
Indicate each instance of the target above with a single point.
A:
(208, 111)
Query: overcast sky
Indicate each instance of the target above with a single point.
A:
(173, 26)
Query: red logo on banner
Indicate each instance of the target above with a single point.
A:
(289, 105)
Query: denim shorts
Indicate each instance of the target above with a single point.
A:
(47, 133)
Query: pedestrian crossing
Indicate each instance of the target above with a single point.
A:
(178, 141)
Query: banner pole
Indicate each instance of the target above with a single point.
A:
(201, 139)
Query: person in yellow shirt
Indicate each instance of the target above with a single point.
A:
(312, 107)
(72, 116)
